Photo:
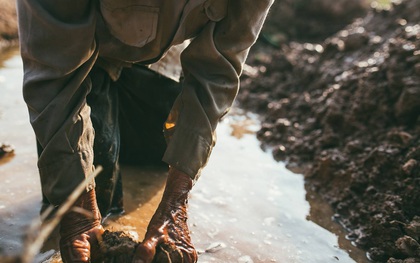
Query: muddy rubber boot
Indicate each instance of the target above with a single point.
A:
(80, 232)
(167, 238)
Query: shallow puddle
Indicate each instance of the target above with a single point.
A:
(244, 208)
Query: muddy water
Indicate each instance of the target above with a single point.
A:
(244, 208)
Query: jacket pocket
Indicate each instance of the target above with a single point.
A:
(216, 10)
(133, 24)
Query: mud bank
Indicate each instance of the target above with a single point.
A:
(8, 24)
(305, 20)
(348, 109)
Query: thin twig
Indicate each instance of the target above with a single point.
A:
(34, 244)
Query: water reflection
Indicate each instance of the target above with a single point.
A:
(256, 208)
(244, 208)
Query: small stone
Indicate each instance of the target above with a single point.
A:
(400, 137)
(408, 105)
(282, 125)
(354, 146)
(409, 166)
(408, 246)
(413, 228)
(394, 260)
(376, 254)
(6, 149)
(214, 247)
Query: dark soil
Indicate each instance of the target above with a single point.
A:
(119, 247)
(6, 150)
(311, 19)
(348, 109)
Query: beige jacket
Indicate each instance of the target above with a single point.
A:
(223, 32)
(62, 40)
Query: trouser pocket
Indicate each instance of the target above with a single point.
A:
(132, 22)
(216, 10)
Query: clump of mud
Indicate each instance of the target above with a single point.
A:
(349, 108)
(119, 247)
(6, 150)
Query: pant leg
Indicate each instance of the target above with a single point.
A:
(57, 40)
(103, 101)
(146, 98)
(137, 104)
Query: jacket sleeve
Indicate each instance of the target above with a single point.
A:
(212, 64)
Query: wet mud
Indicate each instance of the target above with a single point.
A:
(347, 110)
(117, 247)
(6, 150)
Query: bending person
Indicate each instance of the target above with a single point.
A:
(64, 44)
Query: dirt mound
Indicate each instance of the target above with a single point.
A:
(8, 23)
(349, 109)
(310, 19)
